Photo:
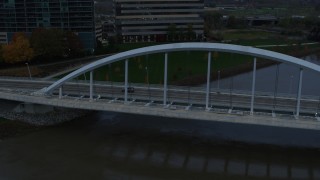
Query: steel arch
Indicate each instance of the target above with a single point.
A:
(191, 46)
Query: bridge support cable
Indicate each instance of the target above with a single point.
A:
(165, 79)
(275, 89)
(208, 81)
(189, 74)
(91, 85)
(60, 92)
(126, 81)
(231, 92)
(147, 78)
(111, 80)
(299, 93)
(78, 86)
(253, 85)
(317, 113)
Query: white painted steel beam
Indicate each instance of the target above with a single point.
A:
(195, 46)
(165, 79)
(208, 81)
(60, 92)
(91, 85)
(126, 81)
(253, 85)
(299, 93)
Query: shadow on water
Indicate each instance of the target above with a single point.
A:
(121, 146)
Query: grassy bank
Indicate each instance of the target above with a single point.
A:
(144, 69)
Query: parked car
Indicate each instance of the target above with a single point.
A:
(130, 90)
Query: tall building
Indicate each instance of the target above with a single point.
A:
(27, 15)
(154, 20)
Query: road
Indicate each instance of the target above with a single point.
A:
(178, 96)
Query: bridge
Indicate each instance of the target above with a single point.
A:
(203, 103)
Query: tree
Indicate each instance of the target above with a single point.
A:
(74, 45)
(310, 22)
(18, 50)
(180, 34)
(231, 23)
(191, 35)
(48, 43)
(1, 54)
(213, 21)
(314, 34)
(112, 40)
(172, 32)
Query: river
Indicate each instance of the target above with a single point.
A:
(266, 77)
(106, 145)
(121, 146)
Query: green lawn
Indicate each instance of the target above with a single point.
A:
(247, 34)
(278, 12)
(180, 65)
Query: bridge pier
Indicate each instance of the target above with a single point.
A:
(33, 108)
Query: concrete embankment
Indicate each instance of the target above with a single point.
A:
(8, 110)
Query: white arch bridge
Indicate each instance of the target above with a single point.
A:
(118, 97)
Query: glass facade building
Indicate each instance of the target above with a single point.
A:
(150, 20)
(27, 15)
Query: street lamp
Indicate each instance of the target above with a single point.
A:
(28, 70)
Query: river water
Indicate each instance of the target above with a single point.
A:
(288, 79)
(106, 145)
(120, 146)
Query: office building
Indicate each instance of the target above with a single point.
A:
(27, 15)
(152, 20)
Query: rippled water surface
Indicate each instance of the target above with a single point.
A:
(120, 146)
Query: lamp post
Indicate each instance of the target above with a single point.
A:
(28, 70)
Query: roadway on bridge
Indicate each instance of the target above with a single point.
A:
(143, 104)
(178, 96)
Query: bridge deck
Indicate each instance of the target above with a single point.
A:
(158, 110)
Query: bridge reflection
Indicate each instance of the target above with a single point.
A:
(151, 158)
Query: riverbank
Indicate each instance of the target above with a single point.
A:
(17, 124)
(58, 116)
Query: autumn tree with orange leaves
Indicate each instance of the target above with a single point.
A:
(18, 50)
